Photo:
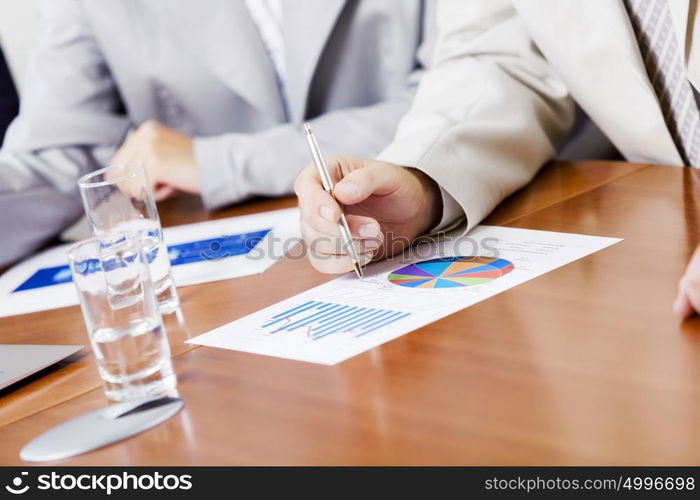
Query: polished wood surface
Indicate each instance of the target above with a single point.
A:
(210, 305)
(584, 365)
(557, 182)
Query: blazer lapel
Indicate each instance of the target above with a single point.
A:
(307, 26)
(595, 50)
(223, 36)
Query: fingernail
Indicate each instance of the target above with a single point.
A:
(347, 188)
(327, 213)
(369, 230)
(371, 244)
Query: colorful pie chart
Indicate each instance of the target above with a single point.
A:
(451, 272)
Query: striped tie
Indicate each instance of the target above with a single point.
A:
(653, 27)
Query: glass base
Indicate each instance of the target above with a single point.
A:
(156, 388)
(168, 301)
(169, 305)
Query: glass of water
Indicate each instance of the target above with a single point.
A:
(122, 318)
(119, 199)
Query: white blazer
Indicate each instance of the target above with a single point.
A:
(498, 100)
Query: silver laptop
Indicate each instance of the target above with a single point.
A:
(20, 361)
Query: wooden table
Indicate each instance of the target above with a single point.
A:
(584, 365)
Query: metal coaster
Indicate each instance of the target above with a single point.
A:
(100, 428)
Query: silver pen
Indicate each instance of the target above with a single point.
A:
(327, 182)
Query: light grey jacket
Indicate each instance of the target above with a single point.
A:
(101, 68)
(498, 97)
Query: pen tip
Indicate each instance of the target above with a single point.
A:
(307, 128)
(358, 269)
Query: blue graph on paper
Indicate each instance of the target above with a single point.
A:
(321, 319)
(210, 249)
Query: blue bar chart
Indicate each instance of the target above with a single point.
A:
(321, 319)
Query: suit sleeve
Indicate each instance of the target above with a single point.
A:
(69, 123)
(488, 114)
(237, 166)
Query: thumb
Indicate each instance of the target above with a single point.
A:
(374, 179)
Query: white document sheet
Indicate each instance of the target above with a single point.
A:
(347, 316)
(199, 253)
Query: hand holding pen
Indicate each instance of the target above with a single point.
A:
(386, 206)
(327, 183)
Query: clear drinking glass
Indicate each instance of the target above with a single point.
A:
(122, 317)
(119, 199)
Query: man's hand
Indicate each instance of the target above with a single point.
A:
(387, 206)
(168, 156)
(688, 300)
